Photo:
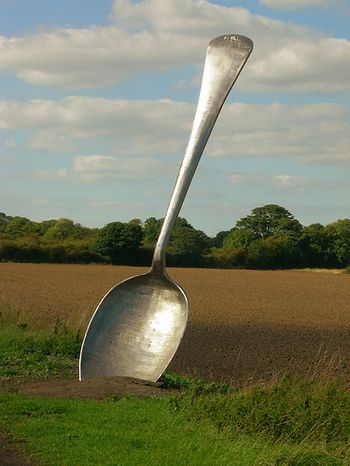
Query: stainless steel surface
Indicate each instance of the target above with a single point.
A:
(226, 56)
(137, 327)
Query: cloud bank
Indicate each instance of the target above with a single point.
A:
(156, 36)
(144, 129)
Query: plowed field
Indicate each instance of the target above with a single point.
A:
(243, 325)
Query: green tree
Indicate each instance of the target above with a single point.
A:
(119, 241)
(315, 245)
(339, 234)
(137, 221)
(218, 240)
(4, 220)
(152, 227)
(151, 230)
(270, 220)
(19, 226)
(226, 257)
(239, 238)
(268, 253)
(64, 228)
(42, 227)
(187, 245)
(183, 223)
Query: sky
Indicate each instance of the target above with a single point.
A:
(97, 100)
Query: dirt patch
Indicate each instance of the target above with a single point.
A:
(97, 389)
(10, 455)
(244, 325)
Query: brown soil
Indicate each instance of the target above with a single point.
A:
(243, 325)
(98, 389)
(10, 455)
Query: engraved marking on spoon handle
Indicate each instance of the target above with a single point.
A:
(225, 58)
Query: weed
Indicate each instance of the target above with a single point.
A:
(60, 328)
(307, 459)
(292, 409)
(193, 385)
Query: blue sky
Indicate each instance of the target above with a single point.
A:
(97, 99)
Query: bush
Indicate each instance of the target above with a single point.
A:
(272, 253)
(226, 257)
(21, 252)
(16, 251)
(119, 242)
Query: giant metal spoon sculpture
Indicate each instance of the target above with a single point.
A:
(138, 325)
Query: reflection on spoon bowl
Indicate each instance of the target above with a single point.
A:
(136, 329)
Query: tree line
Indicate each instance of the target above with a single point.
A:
(269, 237)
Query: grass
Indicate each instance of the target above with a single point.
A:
(292, 421)
(292, 409)
(321, 270)
(24, 352)
(131, 431)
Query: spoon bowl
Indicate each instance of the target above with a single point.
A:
(136, 328)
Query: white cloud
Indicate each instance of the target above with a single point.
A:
(314, 132)
(146, 129)
(287, 180)
(135, 126)
(102, 167)
(153, 35)
(296, 184)
(278, 181)
(291, 4)
(40, 174)
(98, 167)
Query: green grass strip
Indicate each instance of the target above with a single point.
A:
(25, 352)
(131, 431)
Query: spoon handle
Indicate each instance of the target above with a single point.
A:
(225, 58)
